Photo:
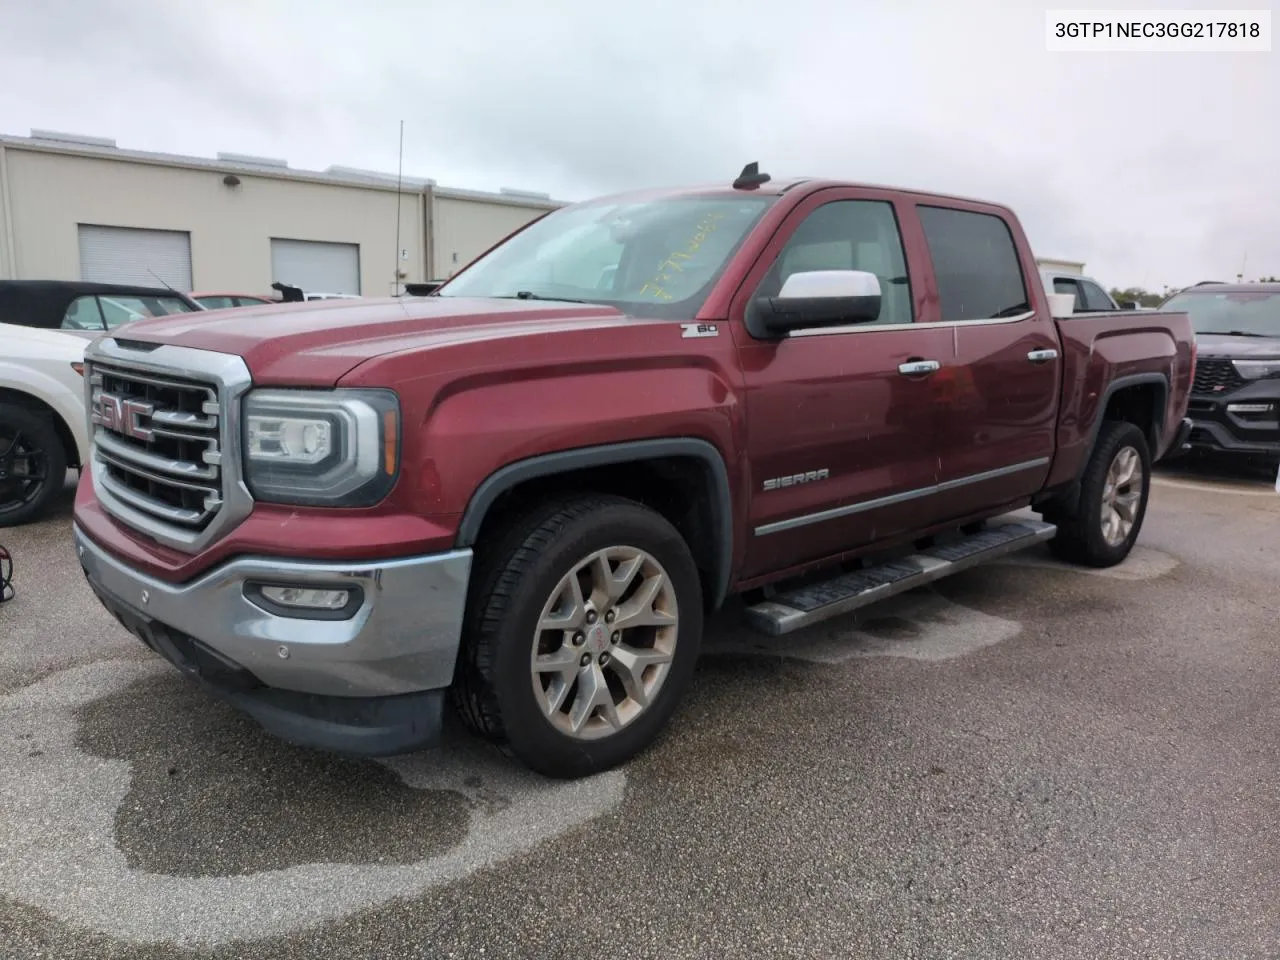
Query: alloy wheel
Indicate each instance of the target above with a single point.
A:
(1121, 496)
(604, 642)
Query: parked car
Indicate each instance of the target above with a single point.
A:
(42, 417)
(44, 328)
(1235, 399)
(1089, 295)
(525, 490)
(223, 301)
(79, 305)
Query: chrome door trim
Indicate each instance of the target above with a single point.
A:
(916, 325)
(779, 526)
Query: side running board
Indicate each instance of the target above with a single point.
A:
(791, 609)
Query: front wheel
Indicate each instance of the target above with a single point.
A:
(33, 464)
(1113, 499)
(582, 634)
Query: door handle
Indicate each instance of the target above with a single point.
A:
(1040, 356)
(913, 368)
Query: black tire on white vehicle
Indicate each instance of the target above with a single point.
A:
(583, 627)
(33, 464)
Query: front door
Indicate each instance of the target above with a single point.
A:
(841, 443)
(998, 406)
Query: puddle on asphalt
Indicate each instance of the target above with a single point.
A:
(247, 837)
(211, 795)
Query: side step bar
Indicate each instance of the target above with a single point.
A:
(792, 609)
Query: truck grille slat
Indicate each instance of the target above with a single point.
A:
(1215, 376)
(158, 444)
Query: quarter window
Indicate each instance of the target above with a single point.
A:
(975, 263)
(849, 235)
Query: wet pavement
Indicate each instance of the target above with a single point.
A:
(1025, 760)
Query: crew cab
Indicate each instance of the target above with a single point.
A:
(1235, 397)
(523, 492)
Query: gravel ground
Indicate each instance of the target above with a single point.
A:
(1026, 760)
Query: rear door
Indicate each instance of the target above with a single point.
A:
(998, 411)
(841, 443)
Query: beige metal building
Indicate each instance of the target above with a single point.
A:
(74, 207)
(1060, 266)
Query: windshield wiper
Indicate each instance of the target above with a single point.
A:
(530, 295)
(1240, 333)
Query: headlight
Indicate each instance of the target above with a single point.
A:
(1257, 369)
(337, 448)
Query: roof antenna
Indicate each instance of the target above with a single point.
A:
(751, 177)
(160, 278)
(395, 276)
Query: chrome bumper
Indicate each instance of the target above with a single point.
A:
(402, 638)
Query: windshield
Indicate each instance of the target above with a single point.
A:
(1249, 312)
(119, 310)
(659, 256)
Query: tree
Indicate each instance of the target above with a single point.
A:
(1143, 298)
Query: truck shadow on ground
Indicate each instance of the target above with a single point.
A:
(211, 794)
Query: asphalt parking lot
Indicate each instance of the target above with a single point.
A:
(1026, 760)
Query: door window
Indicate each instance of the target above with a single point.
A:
(849, 235)
(83, 314)
(975, 263)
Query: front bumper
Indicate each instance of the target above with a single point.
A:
(369, 683)
(1245, 421)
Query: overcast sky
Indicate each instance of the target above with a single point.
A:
(1154, 168)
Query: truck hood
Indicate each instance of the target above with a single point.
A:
(316, 342)
(1225, 346)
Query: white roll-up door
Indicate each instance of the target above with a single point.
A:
(316, 267)
(149, 258)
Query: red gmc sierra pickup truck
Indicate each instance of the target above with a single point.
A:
(522, 492)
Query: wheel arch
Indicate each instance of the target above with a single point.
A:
(683, 478)
(31, 402)
(1141, 399)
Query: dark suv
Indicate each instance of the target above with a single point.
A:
(1235, 399)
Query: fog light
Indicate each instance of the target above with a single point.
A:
(307, 598)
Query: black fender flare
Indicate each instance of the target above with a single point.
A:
(719, 501)
(1159, 380)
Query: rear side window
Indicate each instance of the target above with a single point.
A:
(1071, 287)
(976, 264)
(1095, 298)
(83, 314)
(216, 303)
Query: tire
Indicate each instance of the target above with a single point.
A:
(1082, 537)
(28, 440)
(525, 686)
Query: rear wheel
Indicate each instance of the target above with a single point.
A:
(33, 464)
(1105, 523)
(582, 634)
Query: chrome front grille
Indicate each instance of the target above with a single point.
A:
(157, 438)
(165, 427)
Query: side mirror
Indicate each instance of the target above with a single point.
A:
(1127, 305)
(1062, 305)
(817, 298)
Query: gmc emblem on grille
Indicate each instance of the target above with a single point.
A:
(122, 415)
